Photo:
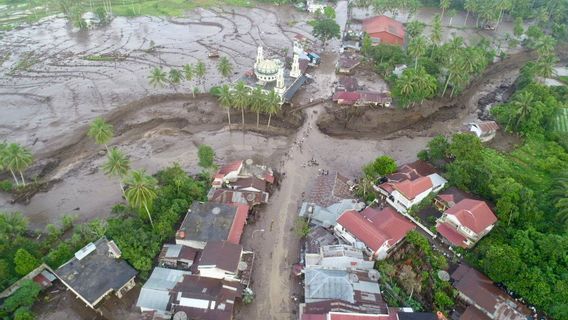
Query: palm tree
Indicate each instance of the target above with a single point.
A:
(175, 77)
(523, 103)
(436, 35)
(444, 4)
(502, 5)
(273, 104)
(189, 73)
(225, 68)
(101, 131)
(417, 48)
(544, 67)
(241, 99)
(157, 77)
(226, 100)
(141, 191)
(16, 158)
(200, 71)
(560, 194)
(469, 6)
(545, 46)
(117, 165)
(414, 28)
(425, 84)
(257, 103)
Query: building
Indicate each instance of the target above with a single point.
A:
(485, 299)
(347, 63)
(347, 84)
(375, 231)
(466, 222)
(270, 74)
(338, 257)
(328, 198)
(155, 294)
(449, 197)
(407, 193)
(484, 130)
(384, 30)
(314, 6)
(178, 256)
(363, 98)
(196, 297)
(357, 289)
(212, 222)
(250, 198)
(240, 169)
(227, 261)
(317, 238)
(97, 271)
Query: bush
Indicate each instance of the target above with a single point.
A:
(24, 262)
(6, 186)
(25, 296)
(379, 167)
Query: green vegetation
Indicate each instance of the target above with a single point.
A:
(206, 156)
(20, 302)
(139, 241)
(25, 63)
(325, 30)
(302, 227)
(381, 166)
(409, 277)
(15, 158)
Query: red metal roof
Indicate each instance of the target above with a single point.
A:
(412, 188)
(347, 316)
(375, 227)
(474, 214)
(233, 166)
(452, 235)
(238, 224)
(346, 96)
(313, 317)
(488, 126)
(383, 24)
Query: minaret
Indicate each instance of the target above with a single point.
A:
(280, 88)
(295, 72)
(259, 55)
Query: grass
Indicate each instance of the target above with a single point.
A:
(105, 57)
(34, 10)
(562, 120)
(564, 79)
(26, 62)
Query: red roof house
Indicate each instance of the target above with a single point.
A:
(378, 230)
(231, 169)
(466, 222)
(346, 98)
(383, 29)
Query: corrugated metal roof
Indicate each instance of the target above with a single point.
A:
(155, 292)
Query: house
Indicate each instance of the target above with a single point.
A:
(347, 63)
(484, 130)
(177, 256)
(466, 222)
(317, 238)
(384, 30)
(196, 297)
(370, 98)
(97, 271)
(212, 222)
(357, 290)
(407, 193)
(314, 6)
(347, 83)
(155, 294)
(225, 260)
(375, 231)
(338, 257)
(449, 197)
(485, 299)
(337, 310)
(250, 198)
(242, 169)
(346, 98)
(328, 198)
(350, 45)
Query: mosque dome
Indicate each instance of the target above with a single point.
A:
(267, 70)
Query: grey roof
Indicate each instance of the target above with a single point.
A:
(416, 316)
(327, 217)
(172, 250)
(155, 293)
(317, 238)
(207, 222)
(294, 87)
(323, 284)
(95, 274)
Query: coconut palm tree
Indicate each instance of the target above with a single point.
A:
(16, 158)
(225, 68)
(226, 100)
(544, 66)
(523, 104)
(469, 6)
(415, 28)
(241, 98)
(175, 77)
(117, 165)
(545, 46)
(157, 77)
(417, 48)
(100, 131)
(257, 103)
(444, 4)
(436, 34)
(141, 191)
(200, 71)
(560, 194)
(189, 74)
(273, 104)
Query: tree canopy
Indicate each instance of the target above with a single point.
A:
(325, 30)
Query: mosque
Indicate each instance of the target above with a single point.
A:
(271, 74)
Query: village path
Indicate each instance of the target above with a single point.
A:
(272, 237)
